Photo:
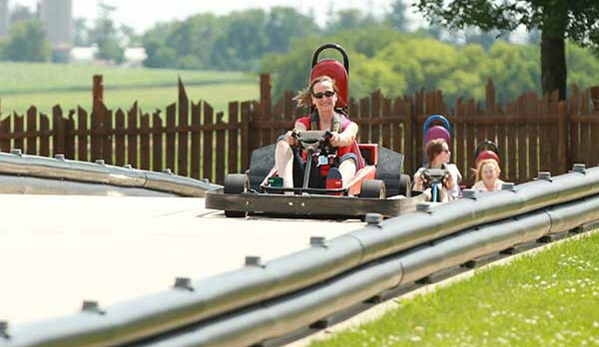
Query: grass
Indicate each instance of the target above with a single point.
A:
(45, 85)
(550, 298)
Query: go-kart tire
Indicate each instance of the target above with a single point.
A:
(405, 185)
(373, 189)
(236, 184)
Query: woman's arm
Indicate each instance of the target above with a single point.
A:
(347, 137)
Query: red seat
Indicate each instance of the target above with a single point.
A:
(335, 70)
(370, 152)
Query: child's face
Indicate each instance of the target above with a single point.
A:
(489, 172)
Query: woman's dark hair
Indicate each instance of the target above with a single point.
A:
(434, 147)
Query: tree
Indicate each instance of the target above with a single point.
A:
(27, 42)
(20, 14)
(105, 35)
(82, 32)
(397, 18)
(350, 19)
(283, 23)
(575, 20)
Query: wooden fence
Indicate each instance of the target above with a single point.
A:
(533, 134)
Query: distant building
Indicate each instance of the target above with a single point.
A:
(83, 55)
(4, 18)
(57, 16)
(135, 56)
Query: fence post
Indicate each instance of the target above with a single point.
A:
(562, 118)
(265, 94)
(98, 92)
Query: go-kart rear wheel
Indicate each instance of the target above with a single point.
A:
(373, 189)
(236, 184)
(405, 185)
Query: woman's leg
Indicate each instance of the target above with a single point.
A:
(284, 162)
(348, 170)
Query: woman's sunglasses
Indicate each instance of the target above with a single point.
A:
(320, 95)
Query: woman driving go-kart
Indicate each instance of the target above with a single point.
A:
(338, 159)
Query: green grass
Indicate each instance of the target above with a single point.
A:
(45, 85)
(550, 298)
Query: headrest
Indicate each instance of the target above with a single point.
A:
(335, 70)
(437, 132)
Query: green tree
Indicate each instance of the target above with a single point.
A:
(397, 18)
(27, 42)
(82, 33)
(21, 13)
(105, 35)
(284, 23)
(243, 43)
(575, 20)
(350, 19)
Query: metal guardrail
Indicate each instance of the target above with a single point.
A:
(244, 307)
(127, 180)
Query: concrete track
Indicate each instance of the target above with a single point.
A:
(56, 251)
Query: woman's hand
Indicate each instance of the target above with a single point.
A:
(291, 140)
(336, 139)
(449, 182)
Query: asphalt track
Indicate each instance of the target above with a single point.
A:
(57, 251)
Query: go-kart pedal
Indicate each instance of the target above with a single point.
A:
(334, 179)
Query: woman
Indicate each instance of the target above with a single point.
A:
(487, 176)
(322, 95)
(438, 155)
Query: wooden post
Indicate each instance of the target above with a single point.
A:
(171, 114)
(119, 142)
(144, 142)
(82, 151)
(157, 141)
(69, 143)
(408, 130)
(31, 145)
(98, 92)
(233, 166)
(58, 131)
(246, 140)
(562, 116)
(208, 112)
(132, 134)
(183, 131)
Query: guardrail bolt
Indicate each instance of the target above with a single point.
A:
(373, 219)
(424, 207)
(317, 240)
(59, 157)
(91, 306)
(544, 175)
(128, 166)
(470, 193)
(508, 186)
(100, 162)
(16, 151)
(4, 329)
(582, 168)
(252, 260)
(183, 283)
(167, 171)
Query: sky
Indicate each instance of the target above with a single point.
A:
(143, 14)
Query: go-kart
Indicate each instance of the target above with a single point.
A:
(260, 193)
(377, 187)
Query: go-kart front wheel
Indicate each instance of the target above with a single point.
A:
(236, 184)
(373, 189)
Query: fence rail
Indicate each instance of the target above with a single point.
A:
(533, 133)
